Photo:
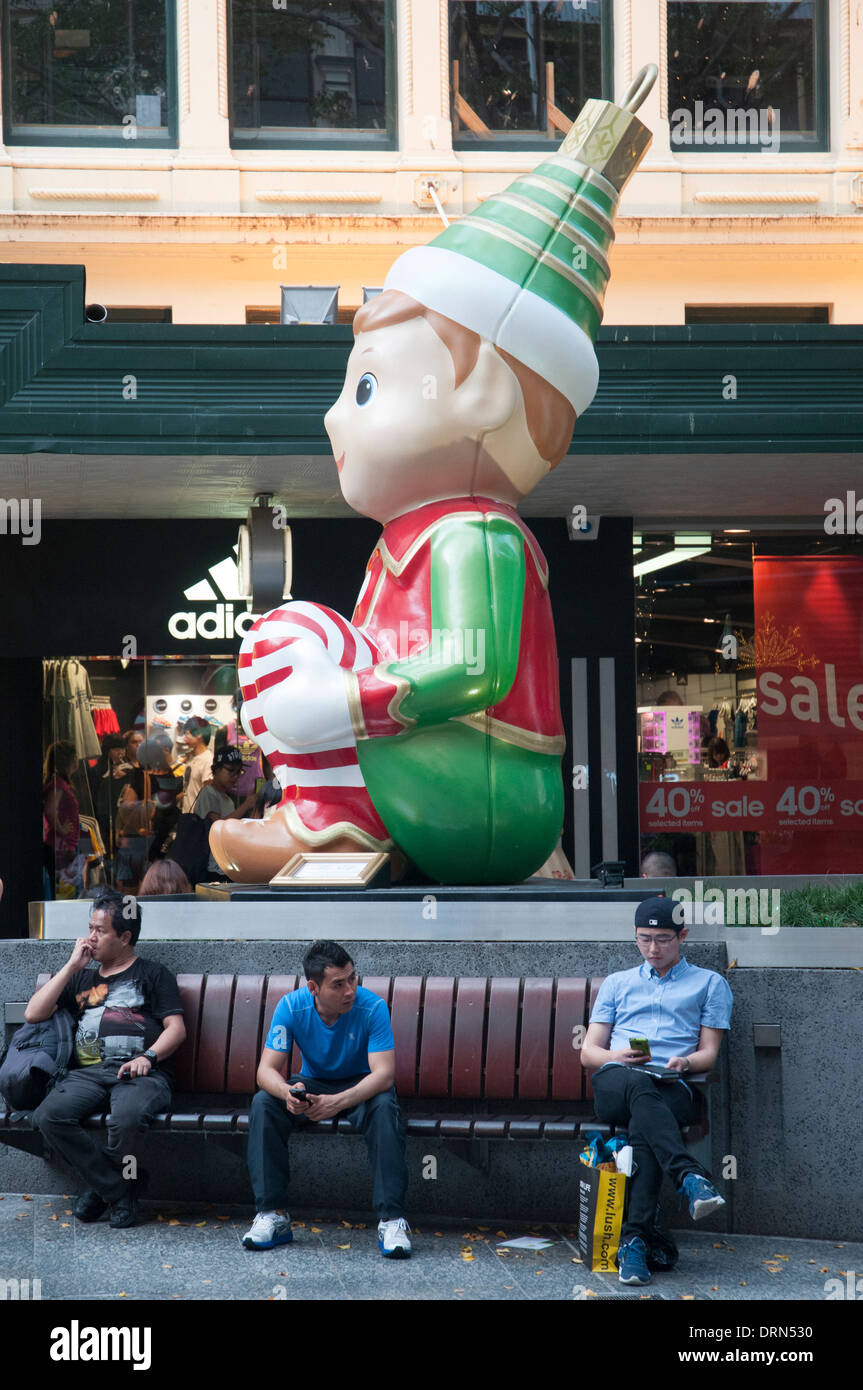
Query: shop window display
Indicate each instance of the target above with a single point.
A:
(750, 708)
(128, 745)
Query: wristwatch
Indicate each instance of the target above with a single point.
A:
(150, 1055)
(686, 1059)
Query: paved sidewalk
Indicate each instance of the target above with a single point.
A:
(194, 1252)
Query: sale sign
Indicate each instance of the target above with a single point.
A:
(809, 670)
(738, 805)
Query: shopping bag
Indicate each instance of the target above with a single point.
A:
(601, 1197)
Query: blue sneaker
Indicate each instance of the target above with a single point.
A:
(267, 1231)
(394, 1240)
(632, 1262)
(701, 1196)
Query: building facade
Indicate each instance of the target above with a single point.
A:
(178, 163)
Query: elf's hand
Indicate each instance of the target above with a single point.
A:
(309, 708)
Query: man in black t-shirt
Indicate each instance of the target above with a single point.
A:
(129, 1023)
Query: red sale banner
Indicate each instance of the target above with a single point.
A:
(809, 669)
(750, 805)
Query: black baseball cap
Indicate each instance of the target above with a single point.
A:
(659, 912)
(228, 757)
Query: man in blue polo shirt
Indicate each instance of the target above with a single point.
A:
(683, 1011)
(344, 1035)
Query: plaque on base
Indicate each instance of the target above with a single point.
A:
(332, 870)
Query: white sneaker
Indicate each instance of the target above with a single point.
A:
(394, 1240)
(268, 1230)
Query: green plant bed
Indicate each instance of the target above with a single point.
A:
(820, 905)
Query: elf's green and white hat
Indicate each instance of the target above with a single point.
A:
(528, 269)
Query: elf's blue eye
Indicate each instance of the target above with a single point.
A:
(366, 387)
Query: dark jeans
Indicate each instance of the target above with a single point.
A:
(652, 1113)
(379, 1120)
(87, 1091)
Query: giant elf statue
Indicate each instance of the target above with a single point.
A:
(431, 721)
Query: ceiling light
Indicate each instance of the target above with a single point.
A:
(670, 557)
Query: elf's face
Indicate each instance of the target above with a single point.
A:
(403, 434)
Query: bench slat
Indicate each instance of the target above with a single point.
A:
(243, 1052)
(381, 985)
(405, 1016)
(215, 1029)
(533, 1065)
(503, 1003)
(436, 1036)
(594, 991)
(567, 1075)
(467, 1038)
(191, 997)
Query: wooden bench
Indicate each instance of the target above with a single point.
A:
(477, 1059)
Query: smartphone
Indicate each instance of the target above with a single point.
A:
(640, 1045)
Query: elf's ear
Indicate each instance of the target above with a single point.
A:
(487, 398)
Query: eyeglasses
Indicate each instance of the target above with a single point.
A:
(659, 940)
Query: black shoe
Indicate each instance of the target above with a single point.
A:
(89, 1207)
(123, 1213)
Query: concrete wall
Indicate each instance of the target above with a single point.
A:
(787, 1116)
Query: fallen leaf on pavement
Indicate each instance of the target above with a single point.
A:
(343, 1247)
(200, 1223)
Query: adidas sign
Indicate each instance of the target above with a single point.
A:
(220, 621)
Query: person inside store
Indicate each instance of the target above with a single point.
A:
(344, 1035)
(108, 780)
(214, 801)
(199, 763)
(134, 822)
(683, 1012)
(716, 753)
(166, 788)
(133, 740)
(60, 809)
(164, 879)
(129, 1024)
(658, 864)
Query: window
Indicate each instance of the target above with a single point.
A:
(747, 76)
(89, 72)
(520, 73)
(750, 735)
(311, 74)
(757, 313)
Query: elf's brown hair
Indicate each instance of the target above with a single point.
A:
(550, 417)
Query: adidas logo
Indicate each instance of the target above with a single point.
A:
(220, 621)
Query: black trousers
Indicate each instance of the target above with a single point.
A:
(652, 1113)
(87, 1091)
(379, 1120)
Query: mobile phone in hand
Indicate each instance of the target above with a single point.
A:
(300, 1093)
(640, 1045)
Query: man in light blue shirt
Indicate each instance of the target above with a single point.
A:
(344, 1035)
(683, 1012)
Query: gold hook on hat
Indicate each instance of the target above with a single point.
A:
(639, 87)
